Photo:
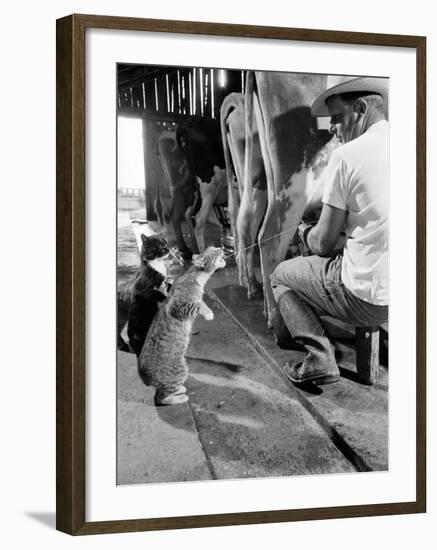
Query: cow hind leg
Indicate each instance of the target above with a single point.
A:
(177, 217)
(274, 240)
(208, 198)
(259, 203)
(159, 211)
(248, 221)
(189, 214)
(268, 241)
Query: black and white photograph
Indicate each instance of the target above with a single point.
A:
(252, 274)
(219, 275)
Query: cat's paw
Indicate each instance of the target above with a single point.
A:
(172, 399)
(208, 314)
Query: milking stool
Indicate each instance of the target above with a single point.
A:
(367, 354)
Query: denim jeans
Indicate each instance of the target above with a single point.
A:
(317, 290)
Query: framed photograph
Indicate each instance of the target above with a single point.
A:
(241, 324)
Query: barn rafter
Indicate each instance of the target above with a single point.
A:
(178, 90)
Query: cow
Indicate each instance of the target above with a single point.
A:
(182, 189)
(294, 154)
(200, 140)
(246, 219)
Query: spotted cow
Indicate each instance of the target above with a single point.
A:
(246, 207)
(294, 155)
(182, 190)
(200, 140)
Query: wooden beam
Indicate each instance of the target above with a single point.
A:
(150, 165)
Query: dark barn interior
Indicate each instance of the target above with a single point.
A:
(162, 97)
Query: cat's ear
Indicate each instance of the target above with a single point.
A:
(144, 238)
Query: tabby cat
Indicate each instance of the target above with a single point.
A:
(162, 360)
(139, 299)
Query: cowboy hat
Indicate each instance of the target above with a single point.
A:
(365, 84)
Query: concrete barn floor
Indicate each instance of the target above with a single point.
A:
(244, 418)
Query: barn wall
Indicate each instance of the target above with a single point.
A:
(164, 98)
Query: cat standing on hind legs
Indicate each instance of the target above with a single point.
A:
(161, 362)
(140, 296)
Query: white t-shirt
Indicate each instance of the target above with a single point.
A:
(357, 180)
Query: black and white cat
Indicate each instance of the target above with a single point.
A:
(139, 299)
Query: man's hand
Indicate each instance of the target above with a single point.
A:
(302, 231)
(323, 237)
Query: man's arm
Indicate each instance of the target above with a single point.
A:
(323, 237)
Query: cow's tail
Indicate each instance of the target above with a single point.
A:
(231, 102)
(244, 238)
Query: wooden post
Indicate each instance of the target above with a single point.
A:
(367, 350)
(151, 168)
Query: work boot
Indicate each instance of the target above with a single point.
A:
(311, 371)
(281, 333)
(319, 365)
